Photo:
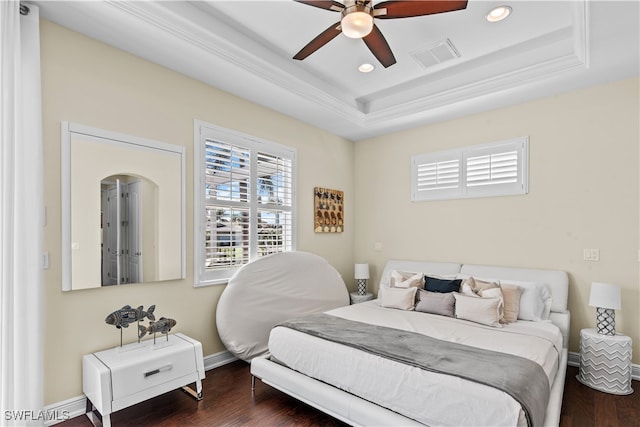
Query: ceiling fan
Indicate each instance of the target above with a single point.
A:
(357, 22)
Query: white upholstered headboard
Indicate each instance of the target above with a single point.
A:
(556, 280)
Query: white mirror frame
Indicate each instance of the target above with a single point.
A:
(67, 130)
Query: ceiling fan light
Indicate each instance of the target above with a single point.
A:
(356, 24)
(499, 13)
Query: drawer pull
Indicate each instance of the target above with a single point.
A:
(157, 371)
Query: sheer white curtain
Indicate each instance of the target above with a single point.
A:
(21, 217)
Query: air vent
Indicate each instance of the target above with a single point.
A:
(435, 54)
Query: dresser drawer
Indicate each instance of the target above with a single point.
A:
(166, 364)
(117, 378)
(148, 366)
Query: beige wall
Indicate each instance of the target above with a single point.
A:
(86, 82)
(583, 193)
(582, 145)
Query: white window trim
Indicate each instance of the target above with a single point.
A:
(461, 190)
(202, 130)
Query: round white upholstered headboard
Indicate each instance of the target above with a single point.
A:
(270, 290)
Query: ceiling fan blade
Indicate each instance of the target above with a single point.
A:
(407, 9)
(378, 45)
(323, 38)
(324, 4)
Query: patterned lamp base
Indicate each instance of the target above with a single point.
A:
(606, 321)
(362, 286)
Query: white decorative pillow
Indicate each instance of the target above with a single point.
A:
(406, 280)
(474, 287)
(482, 285)
(466, 288)
(479, 310)
(400, 298)
(535, 301)
(495, 293)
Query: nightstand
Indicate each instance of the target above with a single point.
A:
(356, 298)
(120, 377)
(605, 362)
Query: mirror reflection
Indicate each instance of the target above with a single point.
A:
(129, 229)
(123, 209)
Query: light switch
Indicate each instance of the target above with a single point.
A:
(591, 254)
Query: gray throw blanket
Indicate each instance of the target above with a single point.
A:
(521, 378)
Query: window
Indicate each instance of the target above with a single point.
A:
(495, 169)
(244, 208)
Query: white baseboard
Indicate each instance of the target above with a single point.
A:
(574, 360)
(218, 359)
(76, 406)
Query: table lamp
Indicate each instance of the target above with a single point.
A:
(361, 276)
(606, 297)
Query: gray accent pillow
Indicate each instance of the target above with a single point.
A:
(435, 303)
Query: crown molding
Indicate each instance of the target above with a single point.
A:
(197, 40)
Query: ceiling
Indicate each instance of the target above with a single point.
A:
(246, 48)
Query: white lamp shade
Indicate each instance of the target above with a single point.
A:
(362, 271)
(605, 295)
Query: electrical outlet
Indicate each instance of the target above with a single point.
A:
(591, 254)
(377, 246)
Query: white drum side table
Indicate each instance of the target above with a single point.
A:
(356, 298)
(605, 362)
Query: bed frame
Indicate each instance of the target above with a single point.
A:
(359, 412)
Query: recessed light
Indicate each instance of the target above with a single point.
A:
(366, 68)
(499, 13)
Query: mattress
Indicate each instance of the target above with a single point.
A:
(427, 397)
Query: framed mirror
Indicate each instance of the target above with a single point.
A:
(123, 209)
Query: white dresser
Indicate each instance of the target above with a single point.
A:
(123, 376)
(605, 362)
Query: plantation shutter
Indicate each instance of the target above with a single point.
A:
(275, 201)
(227, 213)
(436, 176)
(246, 203)
(495, 169)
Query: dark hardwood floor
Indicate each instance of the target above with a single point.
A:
(228, 401)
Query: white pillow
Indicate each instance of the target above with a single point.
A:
(400, 298)
(466, 288)
(406, 280)
(535, 301)
(479, 310)
(495, 293)
(474, 287)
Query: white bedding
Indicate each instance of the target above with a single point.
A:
(430, 398)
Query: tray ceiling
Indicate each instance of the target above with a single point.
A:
(246, 48)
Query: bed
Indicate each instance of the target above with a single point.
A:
(363, 386)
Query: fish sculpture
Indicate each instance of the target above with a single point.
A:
(162, 326)
(126, 315)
